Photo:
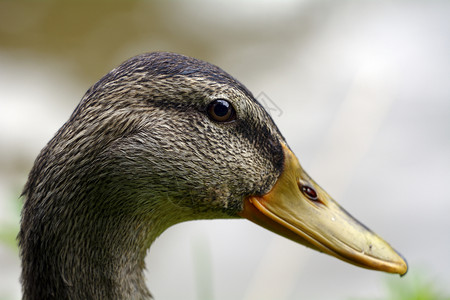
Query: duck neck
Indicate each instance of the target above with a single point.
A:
(85, 252)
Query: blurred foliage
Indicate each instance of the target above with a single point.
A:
(8, 233)
(100, 34)
(10, 227)
(416, 286)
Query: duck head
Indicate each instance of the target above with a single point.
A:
(159, 140)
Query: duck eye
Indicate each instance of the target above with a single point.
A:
(221, 110)
(309, 192)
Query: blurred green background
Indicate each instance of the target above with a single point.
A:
(360, 90)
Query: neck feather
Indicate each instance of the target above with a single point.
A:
(74, 254)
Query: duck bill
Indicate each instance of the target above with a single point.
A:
(319, 222)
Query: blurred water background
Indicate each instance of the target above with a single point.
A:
(360, 90)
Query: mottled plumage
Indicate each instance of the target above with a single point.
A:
(139, 154)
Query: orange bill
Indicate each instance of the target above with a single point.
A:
(297, 208)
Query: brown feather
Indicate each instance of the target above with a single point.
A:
(139, 154)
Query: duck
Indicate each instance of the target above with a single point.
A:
(163, 139)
